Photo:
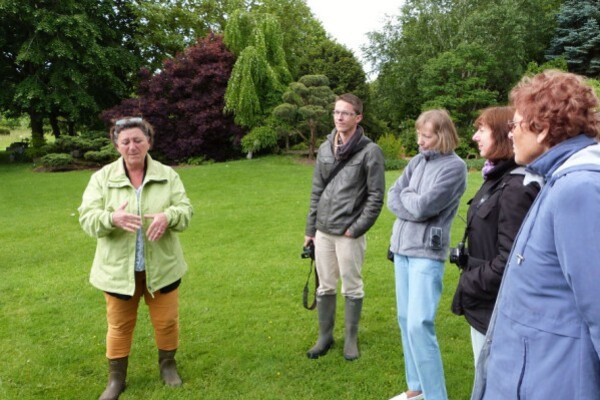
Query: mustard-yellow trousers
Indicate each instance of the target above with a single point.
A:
(121, 316)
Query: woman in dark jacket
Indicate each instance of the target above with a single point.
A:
(493, 220)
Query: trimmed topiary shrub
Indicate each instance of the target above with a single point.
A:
(57, 160)
(105, 155)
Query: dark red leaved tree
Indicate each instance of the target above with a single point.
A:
(184, 102)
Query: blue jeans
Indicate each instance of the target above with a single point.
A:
(418, 292)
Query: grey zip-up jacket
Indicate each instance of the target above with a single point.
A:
(424, 200)
(354, 198)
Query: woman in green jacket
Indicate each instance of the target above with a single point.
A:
(134, 207)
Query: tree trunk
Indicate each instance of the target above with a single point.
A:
(37, 128)
(71, 128)
(311, 147)
(54, 125)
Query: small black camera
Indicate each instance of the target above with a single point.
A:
(459, 255)
(308, 251)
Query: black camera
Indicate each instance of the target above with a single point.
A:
(308, 251)
(459, 255)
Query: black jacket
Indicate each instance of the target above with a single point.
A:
(494, 217)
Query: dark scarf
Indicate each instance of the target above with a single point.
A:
(344, 150)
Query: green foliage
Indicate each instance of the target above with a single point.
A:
(262, 138)
(595, 84)
(344, 71)
(495, 40)
(408, 137)
(301, 31)
(165, 28)
(105, 155)
(475, 164)
(57, 160)
(64, 59)
(260, 73)
(395, 164)
(68, 144)
(459, 81)
(4, 131)
(577, 37)
(534, 68)
(306, 107)
(391, 146)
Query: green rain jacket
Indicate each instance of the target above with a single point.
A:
(113, 269)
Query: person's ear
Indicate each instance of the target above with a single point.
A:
(541, 137)
(359, 118)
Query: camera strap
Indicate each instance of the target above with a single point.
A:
(305, 291)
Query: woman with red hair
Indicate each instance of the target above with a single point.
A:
(544, 337)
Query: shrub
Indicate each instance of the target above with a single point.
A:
(105, 155)
(391, 146)
(391, 165)
(261, 138)
(475, 163)
(57, 160)
(4, 131)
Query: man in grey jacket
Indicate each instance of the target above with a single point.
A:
(345, 202)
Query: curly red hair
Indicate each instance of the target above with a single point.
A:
(559, 101)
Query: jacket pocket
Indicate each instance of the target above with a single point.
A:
(485, 208)
(521, 394)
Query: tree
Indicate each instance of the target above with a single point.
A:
(307, 106)
(301, 31)
(165, 28)
(577, 37)
(344, 71)
(184, 102)
(260, 73)
(64, 59)
(459, 80)
(512, 32)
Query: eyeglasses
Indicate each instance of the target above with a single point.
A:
(513, 124)
(125, 121)
(343, 114)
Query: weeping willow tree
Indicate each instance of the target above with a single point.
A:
(260, 74)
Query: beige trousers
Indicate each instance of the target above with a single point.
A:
(340, 256)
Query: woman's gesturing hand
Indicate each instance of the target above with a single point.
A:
(158, 226)
(126, 221)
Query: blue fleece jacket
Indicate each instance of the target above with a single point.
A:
(544, 340)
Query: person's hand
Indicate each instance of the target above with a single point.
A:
(126, 221)
(308, 239)
(348, 234)
(158, 226)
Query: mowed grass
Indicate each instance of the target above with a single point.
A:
(19, 135)
(244, 331)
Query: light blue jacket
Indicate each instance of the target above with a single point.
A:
(544, 339)
(113, 266)
(424, 200)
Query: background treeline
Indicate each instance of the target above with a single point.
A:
(220, 78)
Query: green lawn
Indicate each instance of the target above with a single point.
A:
(244, 331)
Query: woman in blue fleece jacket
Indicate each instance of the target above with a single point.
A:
(424, 200)
(544, 338)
